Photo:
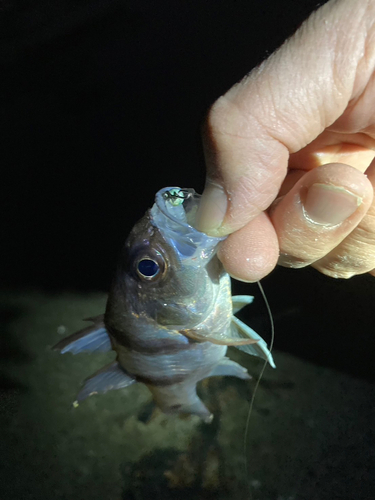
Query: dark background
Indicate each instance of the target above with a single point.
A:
(102, 106)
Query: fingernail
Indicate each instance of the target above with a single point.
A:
(329, 205)
(212, 209)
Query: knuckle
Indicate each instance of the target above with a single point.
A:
(340, 274)
(287, 260)
(353, 256)
(220, 114)
(226, 119)
(299, 248)
(346, 262)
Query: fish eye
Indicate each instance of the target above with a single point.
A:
(148, 269)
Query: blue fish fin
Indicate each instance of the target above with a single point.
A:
(259, 348)
(91, 339)
(230, 337)
(227, 367)
(196, 407)
(108, 378)
(240, 301)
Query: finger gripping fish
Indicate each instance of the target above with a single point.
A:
(170, 313)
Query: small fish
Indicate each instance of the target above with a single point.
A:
(170, 312)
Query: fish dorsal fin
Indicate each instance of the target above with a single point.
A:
(259, 348)
(240, 301)
(91, 339)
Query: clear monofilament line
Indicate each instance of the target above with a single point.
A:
(247, 426)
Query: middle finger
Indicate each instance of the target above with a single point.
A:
(321, 209)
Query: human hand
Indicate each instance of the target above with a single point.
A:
(290, 153)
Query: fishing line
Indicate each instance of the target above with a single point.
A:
(258, 382)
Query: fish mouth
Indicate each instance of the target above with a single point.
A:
(174, 214)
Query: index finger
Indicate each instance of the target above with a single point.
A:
(278, 109)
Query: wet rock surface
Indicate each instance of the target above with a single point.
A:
(310, 434)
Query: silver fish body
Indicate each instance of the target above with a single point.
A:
(170, 313)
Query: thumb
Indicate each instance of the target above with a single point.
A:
(278, 109)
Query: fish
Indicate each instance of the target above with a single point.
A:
(170, 314)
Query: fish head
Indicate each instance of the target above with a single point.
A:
(168, 271)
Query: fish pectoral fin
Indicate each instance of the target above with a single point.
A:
(230, 368)
(240, 301)
(219, 339)
(108, 378)
(91, 339)
(240, 329)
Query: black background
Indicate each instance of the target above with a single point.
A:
(102, 106)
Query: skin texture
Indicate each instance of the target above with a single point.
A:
(290, 153)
